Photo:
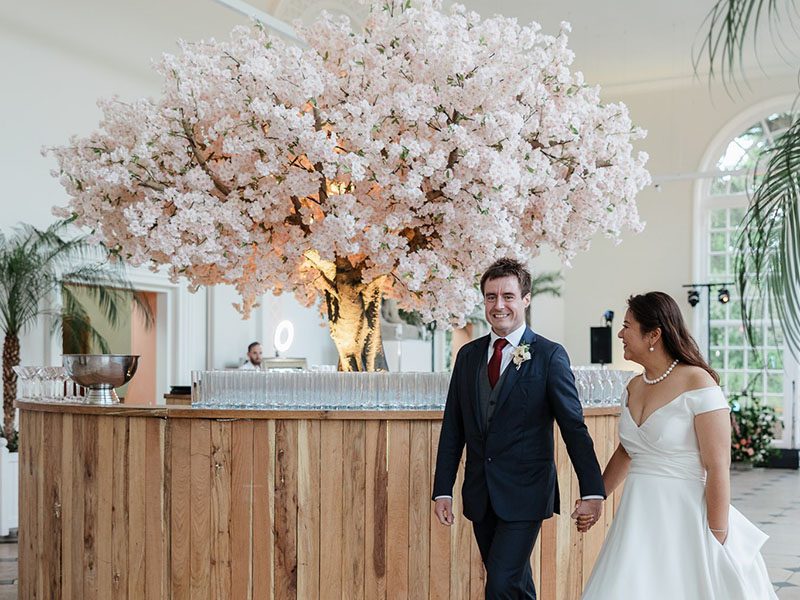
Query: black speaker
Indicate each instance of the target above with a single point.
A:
(600, 341)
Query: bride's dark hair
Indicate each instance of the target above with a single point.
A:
(657, 309)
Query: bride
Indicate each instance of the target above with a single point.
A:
(675, 535)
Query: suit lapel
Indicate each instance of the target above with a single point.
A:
(513, 372)
(481, 353)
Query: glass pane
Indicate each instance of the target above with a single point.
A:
(719, 186)
(736, 216)
(774, 337)
(719, 242)
(736, 336)
(738, 184)
(718, 264)
(775, 383)
(717, 359)
(774, 359)
(735, 308)
(717, 336)
(735, 383)
(717, 311)
(735, 359)
(719, 218)
(779, 122)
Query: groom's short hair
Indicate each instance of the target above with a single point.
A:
(505, 267)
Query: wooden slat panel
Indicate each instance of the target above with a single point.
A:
(89, 485)
(28, 546)
(51, 504)
(67, 485)
(137, 516)
(220, 510)
(241, 510)
(180, 446)
(308, 506)
(286, 510)
(375, 509)
(263, 494)
(419, 513)
(593, 539)
(156, 524)
(200, 512)
(397, 550)
(105, 492)
(77, 532)
(331, 462)
(439, 534)
(119, 509)
(354, 496)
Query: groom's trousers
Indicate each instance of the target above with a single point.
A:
(506, 548)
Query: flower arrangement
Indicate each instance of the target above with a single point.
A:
(395, 161)
(521, 354)
(753, 424)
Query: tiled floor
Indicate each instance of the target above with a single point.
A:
(768, 497)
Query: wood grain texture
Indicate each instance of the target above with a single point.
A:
(136, 505)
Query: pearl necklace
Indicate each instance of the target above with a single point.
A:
(663, 377)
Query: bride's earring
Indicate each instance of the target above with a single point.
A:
(652, 349)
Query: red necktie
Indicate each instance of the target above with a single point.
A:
(497, 358)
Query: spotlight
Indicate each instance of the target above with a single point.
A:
(608, 317)
(693, 297)
(724, 296)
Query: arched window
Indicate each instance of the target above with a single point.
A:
(766, 369)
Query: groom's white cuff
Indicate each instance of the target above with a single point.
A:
(438, 497)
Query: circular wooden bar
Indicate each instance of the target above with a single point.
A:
(175, 502)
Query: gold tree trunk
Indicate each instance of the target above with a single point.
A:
(10, 360)
(354, 317)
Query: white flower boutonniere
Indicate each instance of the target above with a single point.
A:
(521, 354)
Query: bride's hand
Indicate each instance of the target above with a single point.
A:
(720, 534)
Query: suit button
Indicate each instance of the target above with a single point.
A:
(491, 403)
(488, 460)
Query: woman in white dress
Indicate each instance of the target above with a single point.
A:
(675, 535)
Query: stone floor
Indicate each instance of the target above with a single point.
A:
(768, 497)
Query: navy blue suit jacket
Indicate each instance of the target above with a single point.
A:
(511, 462)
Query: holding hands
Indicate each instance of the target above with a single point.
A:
(587, 513)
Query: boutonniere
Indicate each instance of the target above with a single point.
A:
(521, 354)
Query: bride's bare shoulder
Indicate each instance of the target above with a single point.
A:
(695, 377)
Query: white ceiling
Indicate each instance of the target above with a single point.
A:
(618, 43)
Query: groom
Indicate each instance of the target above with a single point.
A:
(506, 390)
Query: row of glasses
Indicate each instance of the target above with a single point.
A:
(319, 390)
(598, 386)
(47, 383)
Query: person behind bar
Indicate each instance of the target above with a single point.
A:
(254, 352)
(506, 391)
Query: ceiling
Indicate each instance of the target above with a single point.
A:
(618, 43)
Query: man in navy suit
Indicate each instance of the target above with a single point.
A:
(506, 391)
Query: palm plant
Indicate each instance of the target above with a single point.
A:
(37, 265)
(768, 248)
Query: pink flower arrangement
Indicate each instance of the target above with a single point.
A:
(418, 149)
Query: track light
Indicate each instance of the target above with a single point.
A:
(724, 295)
(693, 297)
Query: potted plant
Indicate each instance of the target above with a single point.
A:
(37, 266)
(753, 424)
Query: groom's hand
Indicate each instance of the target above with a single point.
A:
(587, 513)
(444, 511)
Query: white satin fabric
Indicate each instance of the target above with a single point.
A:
(659, 546)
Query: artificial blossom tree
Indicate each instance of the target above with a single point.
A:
(398, 160)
